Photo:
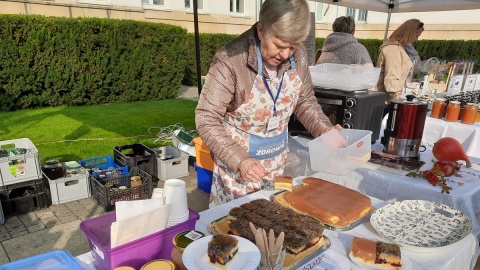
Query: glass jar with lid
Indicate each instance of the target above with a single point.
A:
(469, 113)
(73, 168)
(53, 169)
(453, 111)
(180, 242)
(438, 108)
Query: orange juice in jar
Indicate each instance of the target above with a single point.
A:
(469, 113)
(453, 111)
(438, 108)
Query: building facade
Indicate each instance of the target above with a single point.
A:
(235, 16)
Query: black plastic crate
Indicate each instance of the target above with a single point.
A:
(108, 195)
(25, 204)
(16, 190)
(137, 155)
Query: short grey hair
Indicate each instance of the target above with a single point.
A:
(288, 20)
(344, 24)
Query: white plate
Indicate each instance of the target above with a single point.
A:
(195, 255)
(406, 264)
(421, 226)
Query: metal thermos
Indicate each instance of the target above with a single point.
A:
(405, 124)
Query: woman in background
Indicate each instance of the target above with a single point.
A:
(341, 47)
(396, 58)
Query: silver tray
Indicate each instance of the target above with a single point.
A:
(326, 245)
(330, 227)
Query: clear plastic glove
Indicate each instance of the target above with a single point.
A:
(334, 139)
(251, 170)
(337, 127)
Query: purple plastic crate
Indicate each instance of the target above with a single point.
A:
(136, 253)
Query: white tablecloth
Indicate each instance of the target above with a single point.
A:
(467, 135)
(461, 255)
(392, 187)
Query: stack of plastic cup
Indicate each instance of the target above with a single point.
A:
(175, 193)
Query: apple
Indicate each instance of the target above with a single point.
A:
(448, 168)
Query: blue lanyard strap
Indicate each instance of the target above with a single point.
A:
(271, 94)
(259, 72)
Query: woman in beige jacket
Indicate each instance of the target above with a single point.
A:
(254, 84)
(396, 58)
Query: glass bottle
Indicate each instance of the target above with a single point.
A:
(469, 113)
(135, 181)
(453, 111)
(438, 107)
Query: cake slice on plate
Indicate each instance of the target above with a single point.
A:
(381, 254)
(222, 249)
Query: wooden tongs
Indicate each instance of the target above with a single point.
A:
(269, 248)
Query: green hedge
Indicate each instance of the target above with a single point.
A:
(53, 61)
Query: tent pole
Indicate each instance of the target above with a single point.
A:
(390, 8)
(197, 46)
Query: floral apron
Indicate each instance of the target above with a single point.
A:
(269, 103)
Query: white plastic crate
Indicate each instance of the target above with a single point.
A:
(21, 164)
(344, 77)
(175, 165)
(67, 189)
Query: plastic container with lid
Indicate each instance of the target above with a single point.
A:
(453, 111)
(438, 108)
(469, 113)
(180, 242)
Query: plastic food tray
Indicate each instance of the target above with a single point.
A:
(344, 77)
(327, 226)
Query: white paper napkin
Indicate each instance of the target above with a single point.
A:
(129, 209)
(136, 219)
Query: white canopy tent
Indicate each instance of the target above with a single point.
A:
(395, 6)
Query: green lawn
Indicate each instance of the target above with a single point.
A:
(76, 133)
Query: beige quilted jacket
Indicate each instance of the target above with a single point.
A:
(228, 83)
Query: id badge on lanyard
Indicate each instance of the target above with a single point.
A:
(274, 120)
(273, 123)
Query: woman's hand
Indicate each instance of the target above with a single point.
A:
(251, 170)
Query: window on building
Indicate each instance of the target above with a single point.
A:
(362, 15)
(318, 12)
(237, 6)
(154, 2)
(351, 12)
(189, 4)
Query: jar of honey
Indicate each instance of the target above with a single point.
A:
(469, 113)
(477, 118)
(438, 108)
(180, 242)
(453, 111)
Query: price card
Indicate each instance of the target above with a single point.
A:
(477, 83)
(470, 83)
